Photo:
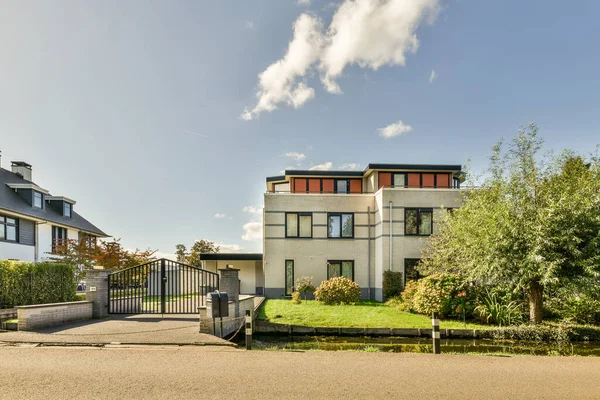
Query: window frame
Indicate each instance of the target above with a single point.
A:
(340, 214)
(405, 179)
(285, 292)
(4, 225)
(419, 211)
(70, 206)
(41, 207)
(335, 187)
(298, 215)
(329, 262)
(408, 260)
(55, 236)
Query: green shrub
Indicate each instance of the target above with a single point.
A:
(340, 290)
(392, 284)
(408, 296)
(445, 294)
(23, 283)
(304, 285)
(296, 298)
(572, 305)
(546, 332)
(493, 309)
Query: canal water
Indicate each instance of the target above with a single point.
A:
(420, 345)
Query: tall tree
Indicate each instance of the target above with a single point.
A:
(193, 256)
(533, 224)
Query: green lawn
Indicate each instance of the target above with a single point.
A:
(366, 314)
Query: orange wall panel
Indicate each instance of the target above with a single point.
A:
(328, 185)
(355, 185)
(414, 180)
(385, 179)
(443, 180)
(314, 185)
(428, 180)
(300, 185)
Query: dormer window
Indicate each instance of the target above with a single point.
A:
(67, 209)
(38, 199)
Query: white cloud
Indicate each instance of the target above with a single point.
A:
(252, 210)
(229, 248)
(296, 156)
(326, 166)
(278, 83)
(220, 216)
(349, 39)
(160, 254)
(252, 231)
(395, 129)
(350, 166)
(249, 24)
(433, 76)
(303, 2)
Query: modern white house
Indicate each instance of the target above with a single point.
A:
(356, 224)
(32, 221)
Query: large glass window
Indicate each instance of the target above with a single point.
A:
(59, 238)
(342, 186)
(399, 180)
(9, 228)
(410, 269)
(340, 225)
(38, 199)
(289, 277)
(67, 209)
(298, 225)
(340, 268)
(418, 221)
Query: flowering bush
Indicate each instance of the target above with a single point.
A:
(340, 290)
(304, 284)
(442, 293)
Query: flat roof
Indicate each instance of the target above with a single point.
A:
(231, 256)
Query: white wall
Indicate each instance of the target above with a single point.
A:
(15, 251)
(44, 241)
(247, 273)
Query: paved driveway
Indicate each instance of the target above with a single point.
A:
(127, 329)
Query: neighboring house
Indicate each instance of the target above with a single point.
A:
(33, 222)
(356, 224)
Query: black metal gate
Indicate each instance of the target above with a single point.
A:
(160, 287)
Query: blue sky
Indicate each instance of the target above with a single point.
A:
(135, 108)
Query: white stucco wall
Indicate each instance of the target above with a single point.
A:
(15, 251)
(247, 273)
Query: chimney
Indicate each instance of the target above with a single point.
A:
(21, 168)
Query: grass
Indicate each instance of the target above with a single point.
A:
(366, 314)
(11, 321)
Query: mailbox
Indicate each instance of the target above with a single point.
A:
(219, 304)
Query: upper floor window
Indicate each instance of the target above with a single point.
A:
(298, 225)
(399, 180)
(418, 221)
(340, 268)
(8, 228)
(38, 199)
(340, 225)
(67, 209)
(342, 186)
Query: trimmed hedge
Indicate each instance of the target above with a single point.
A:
(546, 332)
(339, 290)
(23, 283)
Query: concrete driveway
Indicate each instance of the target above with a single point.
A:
(125, 329)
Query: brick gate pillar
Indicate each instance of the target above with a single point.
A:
(229, 282)
(96, 291)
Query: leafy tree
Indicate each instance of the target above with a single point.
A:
(193, 256)
(534, 223)
(109, 254)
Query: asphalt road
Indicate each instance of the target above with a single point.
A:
(217, 372)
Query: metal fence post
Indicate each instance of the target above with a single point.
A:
(435, 334)
(248, 330)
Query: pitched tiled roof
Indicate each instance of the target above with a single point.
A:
(11, 201)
